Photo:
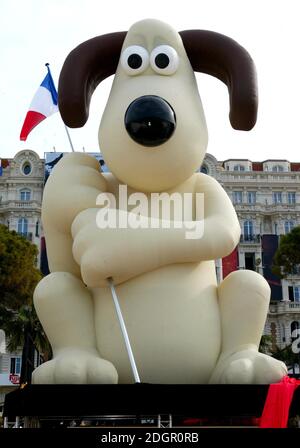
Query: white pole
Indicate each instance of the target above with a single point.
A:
(69, 138)
(124, 331)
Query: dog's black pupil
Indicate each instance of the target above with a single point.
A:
(162, 60)
(135, 61)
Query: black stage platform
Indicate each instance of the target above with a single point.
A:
(139, 399)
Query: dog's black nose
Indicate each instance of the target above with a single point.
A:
(150, 120)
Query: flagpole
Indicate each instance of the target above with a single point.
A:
(66, 129)
(70, 141)
(124, 330)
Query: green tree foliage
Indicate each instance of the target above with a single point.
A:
(287, 355)
(16, 323)
(265, 345)
(18, 279)
(18, 273)
(287, 256)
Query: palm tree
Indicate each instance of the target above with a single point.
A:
(265, 345)
(23, 329)
(287, 356)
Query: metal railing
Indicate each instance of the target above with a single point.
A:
(250, 239)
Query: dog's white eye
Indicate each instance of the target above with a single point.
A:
(135, 59)
(164, 60)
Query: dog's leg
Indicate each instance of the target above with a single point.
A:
(244, 299)
(65, 309)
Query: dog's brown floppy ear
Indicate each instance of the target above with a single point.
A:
(85, 67)
(222, 57)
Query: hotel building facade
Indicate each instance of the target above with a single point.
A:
(266, 197)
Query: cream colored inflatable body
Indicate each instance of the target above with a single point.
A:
(183, 327)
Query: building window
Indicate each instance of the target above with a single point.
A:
(288, 226)
(248, 230)
(25, 195)
(37, 229)
(15, 365)
(277, 197)
(297, 293)
(204, 169)
(250, 261)
(291, 197)
(251, 196)
(237, 197)
(238, 168)
(294, 329)
(23, 226)
(26, 168)
(277, 168)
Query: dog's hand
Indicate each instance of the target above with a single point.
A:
(120, 253)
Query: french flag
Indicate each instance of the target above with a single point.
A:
(43, 104)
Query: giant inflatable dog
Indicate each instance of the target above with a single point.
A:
(183, 327)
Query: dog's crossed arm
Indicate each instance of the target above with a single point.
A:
(123, 253)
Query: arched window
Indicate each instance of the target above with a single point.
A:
(248, 230)
(25, 195)
(277, 168)
(23, 226)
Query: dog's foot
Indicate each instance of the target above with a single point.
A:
(248, 367)
(75, 366)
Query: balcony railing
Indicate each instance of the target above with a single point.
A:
(250, 239)
(254, 176)
(267, 208)
(283, 307)
(6, 205)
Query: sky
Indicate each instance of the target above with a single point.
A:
(34, 32)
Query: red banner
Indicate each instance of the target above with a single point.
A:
(230, 263)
